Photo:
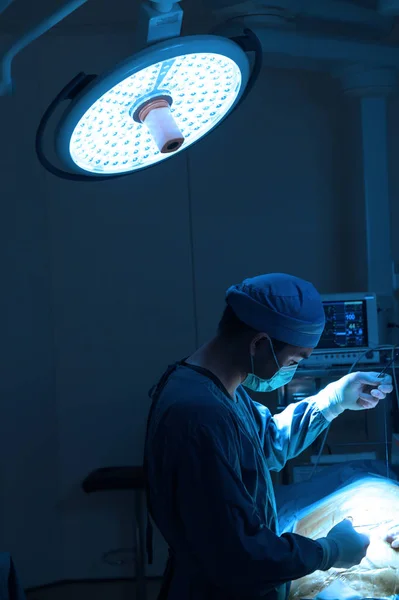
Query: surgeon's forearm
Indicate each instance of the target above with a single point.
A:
(325, 401)
(259, 566)
(292, 431)
(330, 553)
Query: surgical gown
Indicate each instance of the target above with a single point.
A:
(208, 466)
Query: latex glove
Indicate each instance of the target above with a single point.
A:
(351, 392)
(392, 537)
(352, 546)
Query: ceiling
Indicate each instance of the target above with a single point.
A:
(97, 14)
(117, 15)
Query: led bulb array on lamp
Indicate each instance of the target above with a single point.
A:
(199, 78)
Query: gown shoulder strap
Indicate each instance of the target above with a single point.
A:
(155, 394)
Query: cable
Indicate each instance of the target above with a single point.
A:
(191, 238)
(395, 384)
(385, 347)
(392, 348)
(386, 436)
(393, 358)
(320, 452)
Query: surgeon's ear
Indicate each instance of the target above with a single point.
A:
(258, 343)
(252, 347)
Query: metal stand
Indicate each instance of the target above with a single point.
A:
(126, 478)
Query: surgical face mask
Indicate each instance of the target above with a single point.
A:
(282, 376)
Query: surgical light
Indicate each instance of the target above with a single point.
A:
(150, 107)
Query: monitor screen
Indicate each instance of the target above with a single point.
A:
(346, 325)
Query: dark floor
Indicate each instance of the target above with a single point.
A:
(95, 591)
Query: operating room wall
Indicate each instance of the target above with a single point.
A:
(393, 141)
(97, 292)
(104, 284)
(282, 192)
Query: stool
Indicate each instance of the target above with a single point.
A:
(125, 478)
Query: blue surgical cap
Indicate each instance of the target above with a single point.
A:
(289, 309)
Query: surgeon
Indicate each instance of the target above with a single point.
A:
(210, 448)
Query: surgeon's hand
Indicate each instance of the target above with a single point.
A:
(352, 546)
(392, 537)
(356, 391)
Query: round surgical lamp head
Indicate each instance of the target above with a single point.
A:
(149, 108)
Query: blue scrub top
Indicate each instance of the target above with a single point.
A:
(208, 466)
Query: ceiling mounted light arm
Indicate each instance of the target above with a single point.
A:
(164, 6)
(4, 4)
(28, 38)
(250, 42)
